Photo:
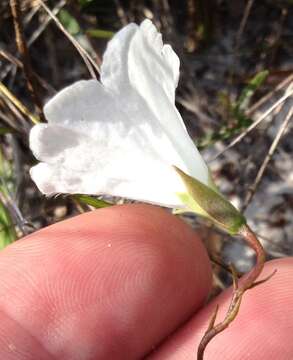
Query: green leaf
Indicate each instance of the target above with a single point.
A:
(92, 201)
(236, 111)
(250, 89)
(6, 130)
(7, 230)
(69, 22)
(100, 34)
(207, 202)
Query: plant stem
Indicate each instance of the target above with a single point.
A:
(248, 282)
(23, 50)
(19, 105)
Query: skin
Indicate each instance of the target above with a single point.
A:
(130, 282)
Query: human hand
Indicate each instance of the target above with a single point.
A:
(120, 282)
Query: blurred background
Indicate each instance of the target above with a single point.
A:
(236, 71)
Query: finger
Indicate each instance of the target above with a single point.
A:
(262, 330)
(105, 285)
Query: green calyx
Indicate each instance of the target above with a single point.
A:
(208, 202)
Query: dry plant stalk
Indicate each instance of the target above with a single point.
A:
(248, 282)
(17, 103)
(254, 124)
(269, 95)
(91, 65)
(267, 159)
(23, 50)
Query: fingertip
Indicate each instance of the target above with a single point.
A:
(130, 275)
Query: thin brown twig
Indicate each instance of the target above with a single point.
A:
(46, 22)
(248, 282)
(90, 63)
(9, 124)
(13, 60)
(238, 38)
(23, 50)
(268, 96)
(242, 25)
(26, 20)
(267, 159)
(29, 16)
(254, 124)
(278, 36)
(19, 105)
(17, 122)
(9, 57)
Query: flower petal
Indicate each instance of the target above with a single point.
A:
(114, 74)
(76, 105)
(136, 57)
(136, 62)
(52, 180)
(59, 145)
(102, 122)
(121, 138)
(114, 158)
(126, 46)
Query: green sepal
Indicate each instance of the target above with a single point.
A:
(208, 202)
(92, 201)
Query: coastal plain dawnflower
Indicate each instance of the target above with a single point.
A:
(123, 135)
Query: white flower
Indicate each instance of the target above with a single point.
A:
(122, 135)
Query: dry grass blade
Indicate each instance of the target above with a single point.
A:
(243, 24)
(23, 50)
(268, 96)
(90, 63)
(24, 110)
(46, 22)
(239, 34)
(29, 16)
(255, 124)
(268, 157)
(9, 57)
(13, 60)
(15, 213)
